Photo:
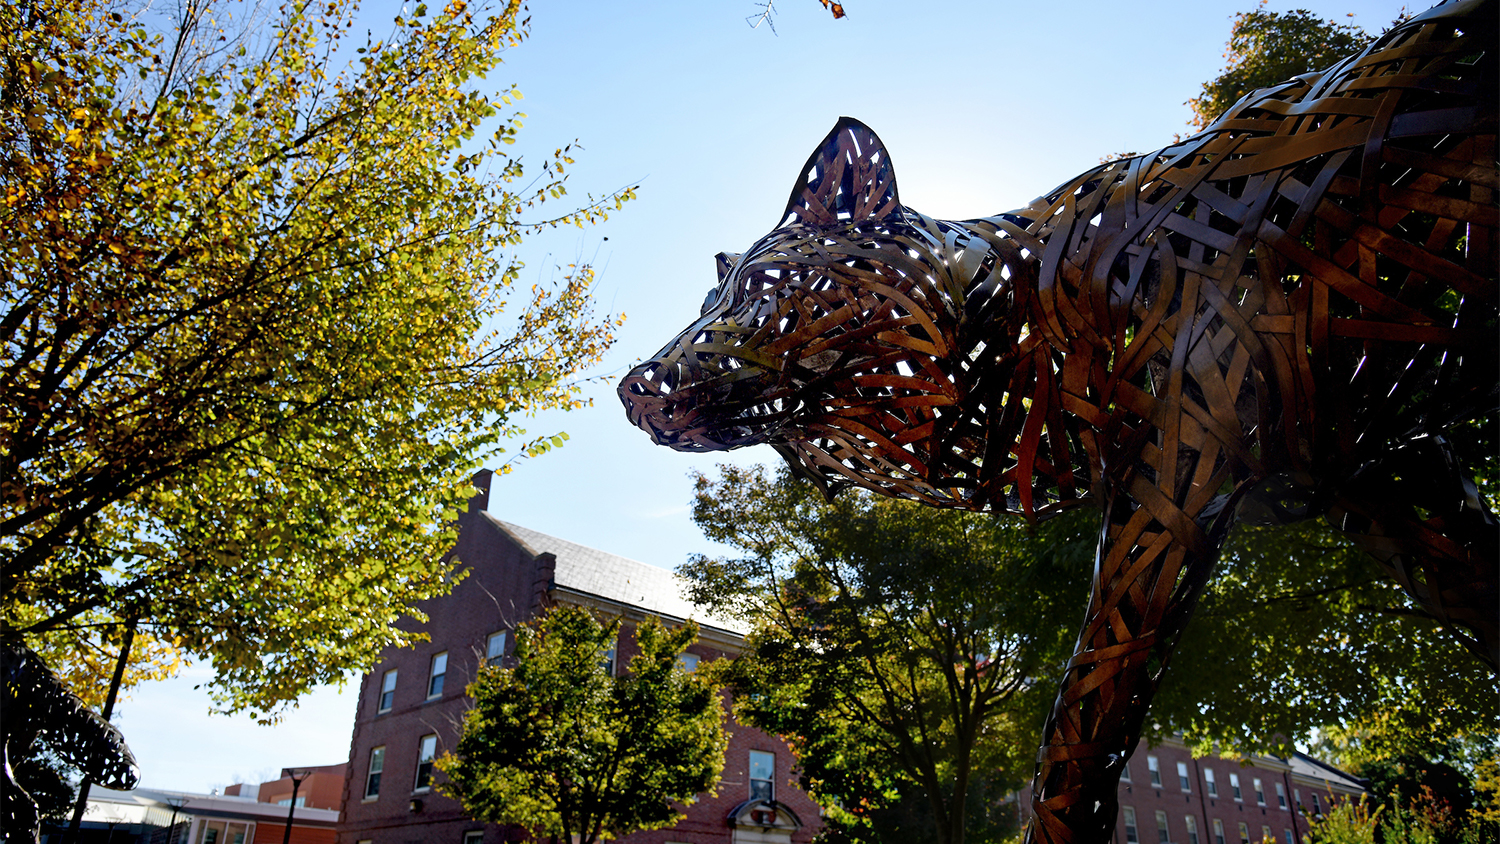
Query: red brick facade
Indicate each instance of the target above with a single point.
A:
(1168, 796)
(508, 584)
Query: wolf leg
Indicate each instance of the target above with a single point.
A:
(1417, 512)
(1154, 559)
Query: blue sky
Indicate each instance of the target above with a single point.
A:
(982, 105)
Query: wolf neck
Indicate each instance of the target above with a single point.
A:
(995, 262)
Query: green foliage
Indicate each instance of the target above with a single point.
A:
(1428, 779)
(1422, 820)
(249, 322)
(48, 780)
(559, 746)
(1348, 822)
(1267, 48)
(906, 653)
(1299, 630)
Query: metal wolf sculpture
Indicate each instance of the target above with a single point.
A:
(1280, 317)
(36, 706)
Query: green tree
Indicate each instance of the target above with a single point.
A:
(561, 747)
(1349, 822)
(1297, 633)
(259, 326)
(1267, 48)
(907, 654)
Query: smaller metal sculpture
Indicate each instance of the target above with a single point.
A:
(37, 708)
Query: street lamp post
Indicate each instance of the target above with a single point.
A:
(297, 775)
(176, 803)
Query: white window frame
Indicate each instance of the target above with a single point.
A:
(377, 756)
(1190, 824)
(770, 787)
(688, 662)
(474, 836)
(1265, 833)
(1209, 783)
(1154, 766)
(1184, 781)
(611, 655)
(1132, 829)
(437, 673)
(1281, 796)
(1125, 772)
(1163, 834)
(1234, 788)
(1218, 831)
(1260, 791)
(494, 652)
(426, 754)
(386, 697)
(1244, 833)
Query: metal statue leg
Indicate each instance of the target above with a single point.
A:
(1418, 513)
(1152, 565)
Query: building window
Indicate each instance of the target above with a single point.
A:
(494, 650)
(426, 751)
(372, 780)
(1289, 837)
(387, 691)
(1132, 835)
(608, 663)
(1125, 773)
(1190, 823)
(435, 678)
(1244, 833)
(687, 662)
(475, 836)
(1234, 786)
(1182, 776)
(1281, 796)
(223, 832)
(1218, 831)
(1161, 828)
(1260, 791)
(1154, 766)
(1209, 784)
(1265, 834)
(762, 775)
(1317, 804)
(287, 801)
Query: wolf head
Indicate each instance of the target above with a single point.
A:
(837, 338)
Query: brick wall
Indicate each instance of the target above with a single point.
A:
(505, 587)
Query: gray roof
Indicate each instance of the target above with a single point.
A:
(1310, 768)
(617, 579)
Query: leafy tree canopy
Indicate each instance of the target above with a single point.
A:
(907, 654)
(559, 746)
(1297, 631)
(1267, 48)
(259, 325)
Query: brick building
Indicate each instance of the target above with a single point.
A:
(321, 788)
(156, 816)
(411, 705)
(1168, 797)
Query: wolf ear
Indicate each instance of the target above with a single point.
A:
(725, 262)
(848, 179)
